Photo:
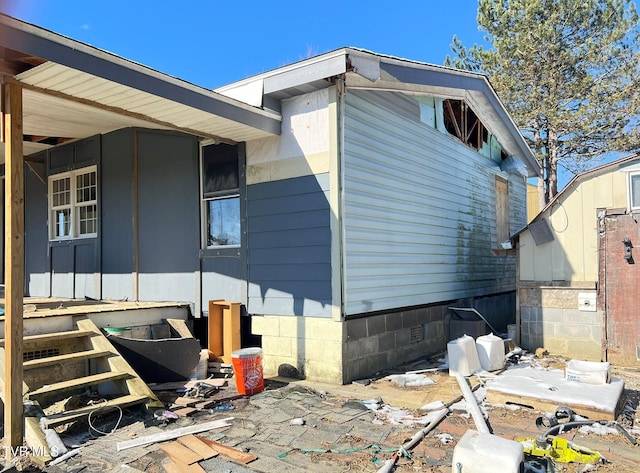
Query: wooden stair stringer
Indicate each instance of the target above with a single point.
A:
(135, 384)
(33, 433)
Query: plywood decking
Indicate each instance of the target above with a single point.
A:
(546, 390)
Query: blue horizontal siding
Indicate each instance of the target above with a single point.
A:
(289, 247)
(419, 211)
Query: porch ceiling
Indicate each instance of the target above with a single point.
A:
(72, 90)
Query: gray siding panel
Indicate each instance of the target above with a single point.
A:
(116, 215)
(289, 244)
(87, 271)
(419, 213)
(37, 277)
(168, 216)
(62, 278)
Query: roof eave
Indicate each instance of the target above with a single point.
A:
(39, 42)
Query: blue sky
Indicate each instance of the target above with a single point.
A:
(214, 42)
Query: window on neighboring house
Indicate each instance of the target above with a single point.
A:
(634, 191)
(502, 211)
(221, 195)
(73, 204)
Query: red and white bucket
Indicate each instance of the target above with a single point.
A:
(247, 366)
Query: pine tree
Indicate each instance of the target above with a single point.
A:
(568, 71)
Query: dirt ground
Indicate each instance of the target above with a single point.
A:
(434, 453)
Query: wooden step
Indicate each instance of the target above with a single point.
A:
(83, 412)
(68, 358)
(47, 337)
(78, 383)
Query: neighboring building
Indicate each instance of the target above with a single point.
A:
(578, 278)
(346, 200)
(533, 202)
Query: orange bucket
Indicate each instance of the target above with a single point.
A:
(247, 366)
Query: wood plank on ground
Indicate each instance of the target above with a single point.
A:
(180, 454)
(206, 404)
(185, 411)
(193, 443)
(171, 467)
(229, 452)
(185, 401)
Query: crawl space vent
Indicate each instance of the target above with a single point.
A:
(39, 354)
(416, 333)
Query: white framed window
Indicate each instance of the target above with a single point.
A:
(634, 190)
(73, 204)
(220, 195)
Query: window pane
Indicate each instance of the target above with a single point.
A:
(62, 221)
(61, 192)
(223, 221)
(635, 190)
(88, 219)
(219, 169)
(86, 187)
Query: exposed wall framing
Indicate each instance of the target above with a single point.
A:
(461, 121)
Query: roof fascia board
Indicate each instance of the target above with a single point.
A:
(53, 47)
(291, 68)
(319, 70)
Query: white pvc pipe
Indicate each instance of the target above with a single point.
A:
(472, 405)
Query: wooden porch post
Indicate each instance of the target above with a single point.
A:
(14, 263)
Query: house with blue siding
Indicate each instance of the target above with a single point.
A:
(346, 201)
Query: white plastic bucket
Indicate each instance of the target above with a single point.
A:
(490, 352)
(463, 356)
(477, 452)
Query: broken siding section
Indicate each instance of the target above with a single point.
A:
(420, 213)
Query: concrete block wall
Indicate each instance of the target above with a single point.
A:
(327, 350)
(550, 319)
(313, 345)
(385, 341)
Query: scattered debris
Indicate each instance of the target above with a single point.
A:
(410, 380)
(172, 434)
(433, 406)
(434, 419)
(540, 352)
(445, 439)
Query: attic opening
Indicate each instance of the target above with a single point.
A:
(461, 122)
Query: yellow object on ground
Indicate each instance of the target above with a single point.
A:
(561, 450)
